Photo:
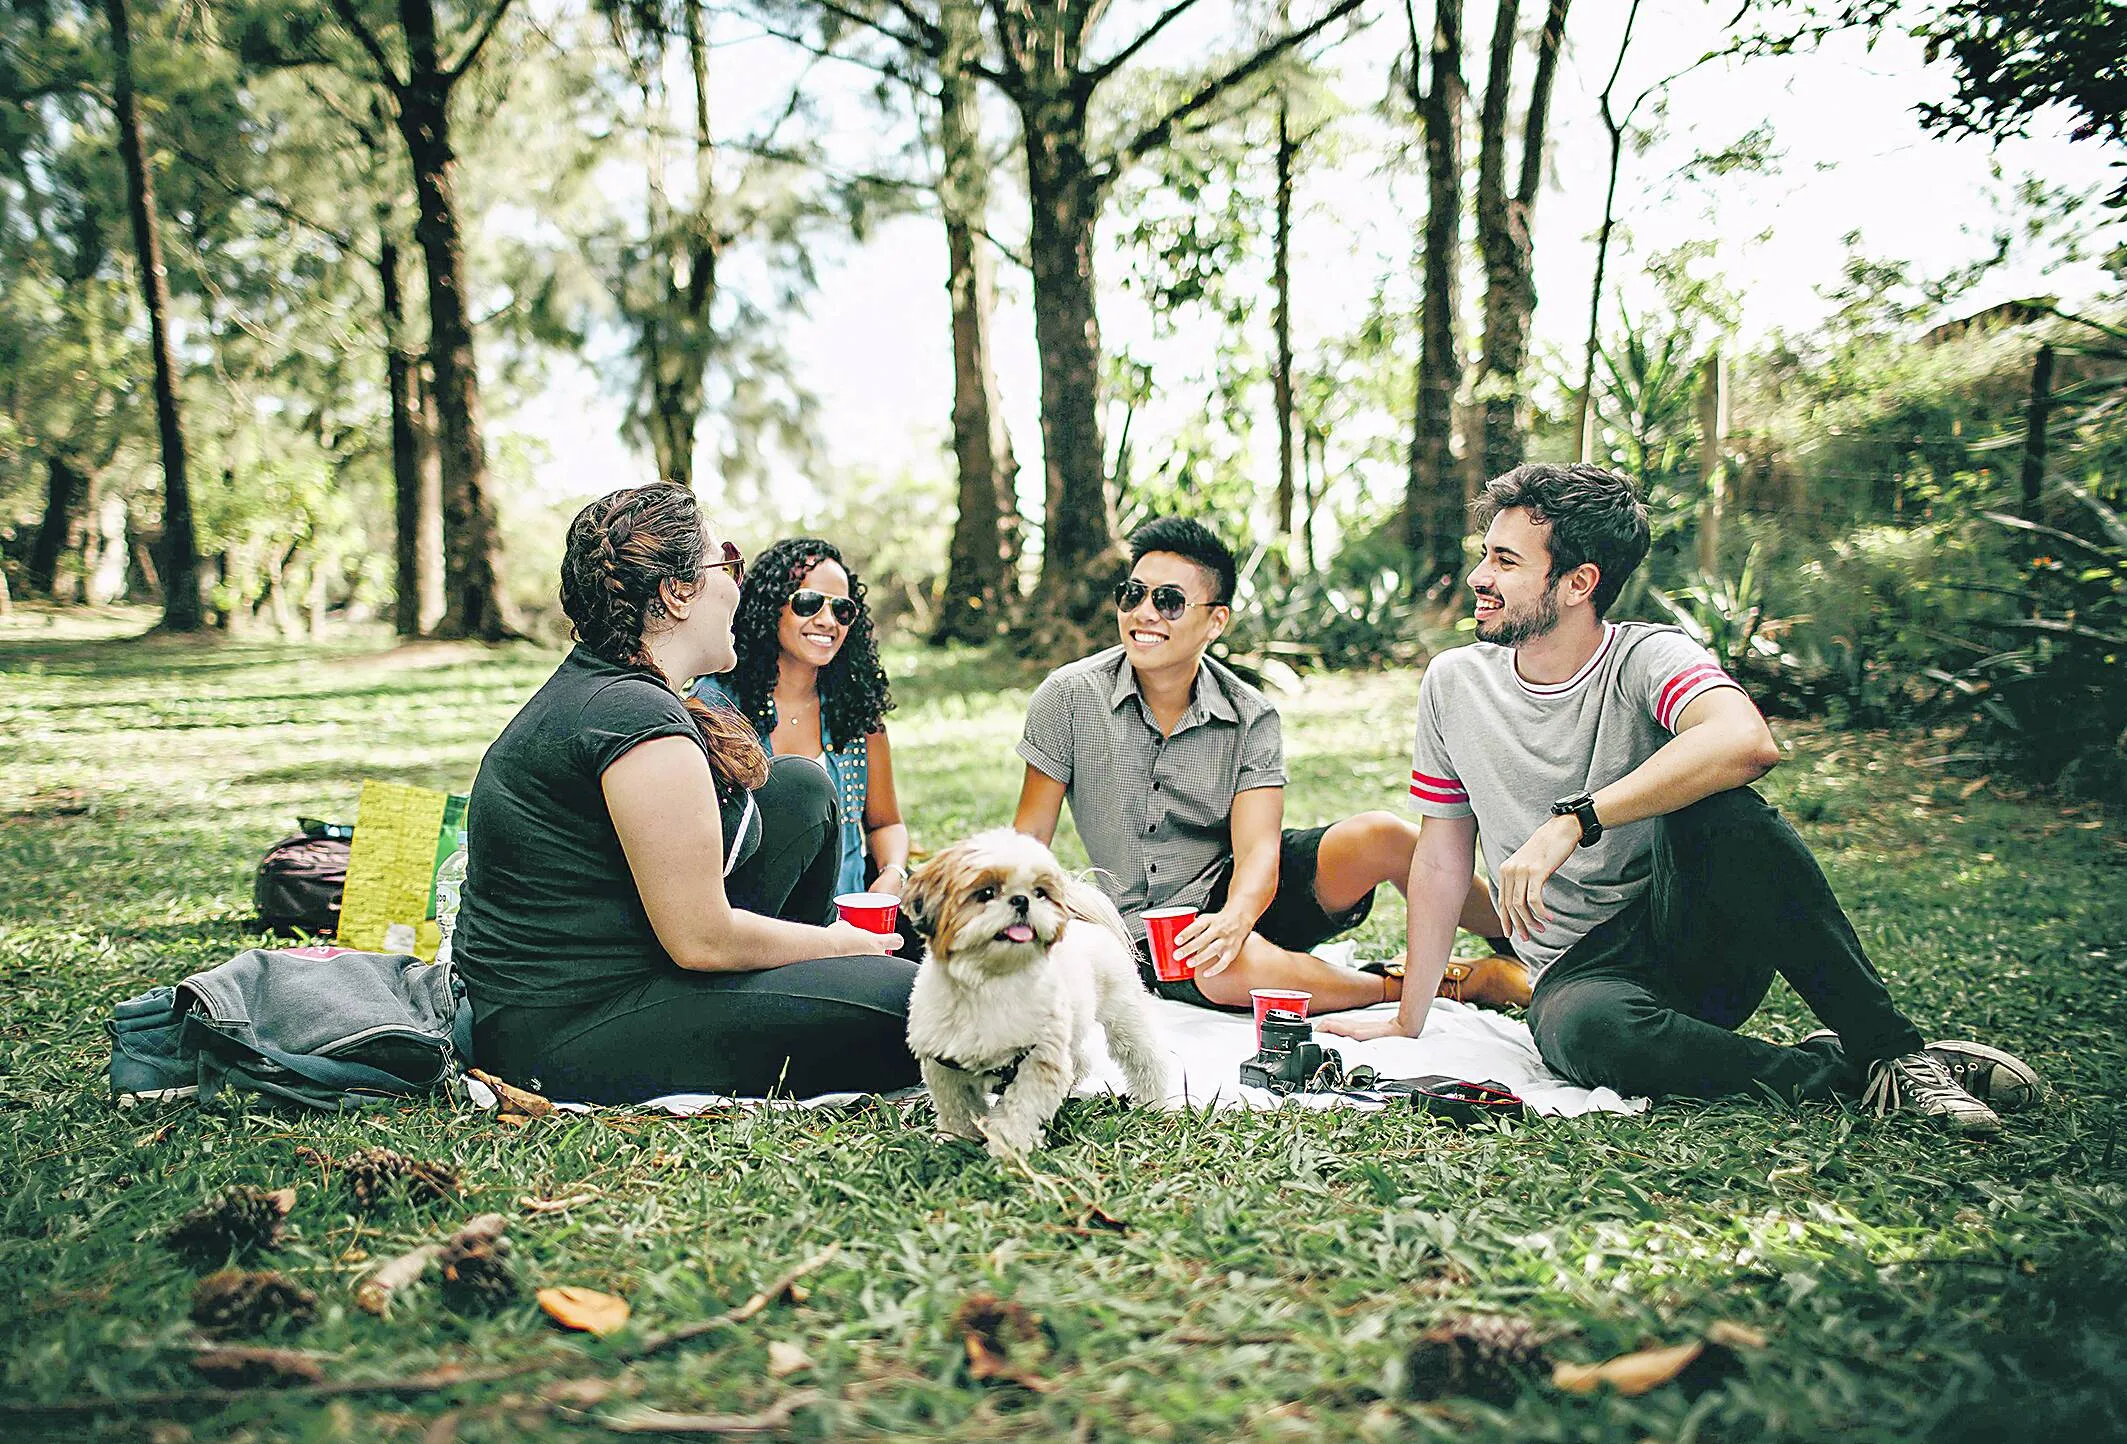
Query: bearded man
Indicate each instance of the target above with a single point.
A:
(1606, 766)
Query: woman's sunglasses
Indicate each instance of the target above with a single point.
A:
(1169, 600)
(733, 561)
(807, 603)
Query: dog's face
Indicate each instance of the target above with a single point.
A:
(994, 903)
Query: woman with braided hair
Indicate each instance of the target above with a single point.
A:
(649, 899)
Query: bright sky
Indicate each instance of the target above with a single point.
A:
(874, 343)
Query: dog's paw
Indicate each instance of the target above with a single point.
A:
(1007, 1141)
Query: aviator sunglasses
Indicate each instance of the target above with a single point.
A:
(1169, 600)
(734, 561)
(808, 602)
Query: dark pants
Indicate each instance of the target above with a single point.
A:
(827, 1026)
(1648, 1001)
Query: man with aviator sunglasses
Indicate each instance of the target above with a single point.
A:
(1174, 771)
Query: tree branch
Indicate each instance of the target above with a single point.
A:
(367, 39)
(933, 36)
(1157, 133)
(1090, 80)
(869, 22)
(479, 42)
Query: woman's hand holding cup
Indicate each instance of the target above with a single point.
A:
(847, 940)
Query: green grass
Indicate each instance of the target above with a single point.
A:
(1275, 1269)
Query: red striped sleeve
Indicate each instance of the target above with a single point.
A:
(1684, 686)
(1444, 790)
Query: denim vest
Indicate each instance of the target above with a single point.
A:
(849, 767)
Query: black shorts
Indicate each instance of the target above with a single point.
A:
(1295, 919)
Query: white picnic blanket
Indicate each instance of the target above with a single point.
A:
(1207, 1048)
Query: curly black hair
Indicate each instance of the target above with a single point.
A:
(854, 697)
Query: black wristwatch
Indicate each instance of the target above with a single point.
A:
(1582, 807)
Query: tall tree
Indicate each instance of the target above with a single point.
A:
(1504, 239)
(1433, 505)
(667, 288)
(179, 562)
(421, 91)
(1040, 59)
(982, 573)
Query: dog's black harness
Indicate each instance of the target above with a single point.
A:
(1005, 1069)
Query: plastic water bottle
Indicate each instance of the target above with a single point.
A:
(450, 888)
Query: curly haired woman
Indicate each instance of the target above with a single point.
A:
(808, 678)
(648, 905)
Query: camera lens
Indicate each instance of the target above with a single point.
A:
(1283, 1031)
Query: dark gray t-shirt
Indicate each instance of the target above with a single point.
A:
(550, 915)
(1505, 749)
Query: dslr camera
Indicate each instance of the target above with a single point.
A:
(1289, 1060)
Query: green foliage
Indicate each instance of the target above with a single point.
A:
(2053, 702)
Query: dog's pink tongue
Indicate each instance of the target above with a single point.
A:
(1020, 933)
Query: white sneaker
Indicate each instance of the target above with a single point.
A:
(2002, 1081)
(1921, 1083)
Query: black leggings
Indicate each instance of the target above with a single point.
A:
(1648, 1002)
(831, 1025)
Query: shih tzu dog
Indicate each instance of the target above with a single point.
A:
(1023, 960)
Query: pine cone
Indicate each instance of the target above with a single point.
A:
(242, 1218)
(374, 1172)
(235, 1302)
(1482, 1356)
(477, 1277)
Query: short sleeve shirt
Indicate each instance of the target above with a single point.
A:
(550, 915)
(1502, 749)
(1154, 811)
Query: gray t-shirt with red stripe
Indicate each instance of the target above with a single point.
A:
(1503, 749)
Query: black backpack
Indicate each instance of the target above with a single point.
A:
(300, 879)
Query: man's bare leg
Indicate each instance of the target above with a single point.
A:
(1263, 964)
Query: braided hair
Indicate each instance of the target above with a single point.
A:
(621, 548)
(854, 697)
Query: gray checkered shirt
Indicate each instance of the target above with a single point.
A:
(1155, 813)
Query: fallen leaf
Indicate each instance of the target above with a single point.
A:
(585, 1309)
(514, 1099)
(1100, 1218)
(1973, 786)
(244, 1368)
(1629, 1374)
(512, 1120)
(786, 1359)
(991, 1330)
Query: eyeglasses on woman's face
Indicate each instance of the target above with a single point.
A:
(1169, 600)
(807, 603)
(731, 561)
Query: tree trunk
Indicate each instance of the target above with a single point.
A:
(1078, 528)
(2033, 477)
(1503, 233)
(982, 581)
(1433, 510)
(1281, 327)
(677, 337)
(1614, 128)
(1713, 459)
(65, 489)
(474, 603)
(416, 488)
(180, 560)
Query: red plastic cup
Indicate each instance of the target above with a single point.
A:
(1162, 926)
(875, 912)
(1285, 1000)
